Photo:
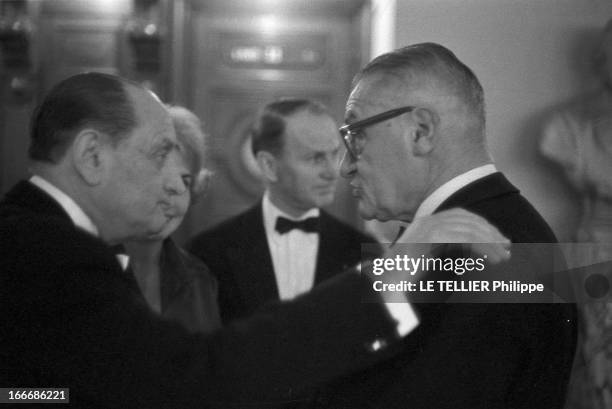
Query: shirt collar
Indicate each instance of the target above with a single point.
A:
(434, 200)
(77, 215)
(271, 213)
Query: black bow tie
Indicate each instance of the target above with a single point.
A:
(284, 225)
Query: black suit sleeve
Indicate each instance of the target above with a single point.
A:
(72, 320)
(476, 355)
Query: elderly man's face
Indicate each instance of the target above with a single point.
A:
(387, 180)
(307, 167)
(146, 190)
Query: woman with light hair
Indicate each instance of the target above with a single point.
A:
(174, 283)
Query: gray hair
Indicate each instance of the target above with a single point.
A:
(435, 61)
(189, 133)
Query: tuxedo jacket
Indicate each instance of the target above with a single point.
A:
(72, 318)
(238, 254)
(477, 355)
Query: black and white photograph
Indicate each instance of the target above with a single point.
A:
(306, 204)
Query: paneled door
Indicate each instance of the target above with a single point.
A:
(243, 55)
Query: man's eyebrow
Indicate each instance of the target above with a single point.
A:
(349, 116)
(319, 152)
(162, 142)
(165, 139)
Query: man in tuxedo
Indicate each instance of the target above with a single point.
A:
(104, 158)
(285, 244)
(416, 145)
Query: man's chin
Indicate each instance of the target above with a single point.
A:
(324, 200)
(155, 236)
(366, 213)
(158, 233)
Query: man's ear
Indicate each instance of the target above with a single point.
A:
(268, 165)
(88, 155)
(426, 122)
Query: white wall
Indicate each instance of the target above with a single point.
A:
(382, 14)
(529, 55)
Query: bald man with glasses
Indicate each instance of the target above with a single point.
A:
(416, 146)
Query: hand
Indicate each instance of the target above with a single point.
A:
(451, 226)
(458, 226)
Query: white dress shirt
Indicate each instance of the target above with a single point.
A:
(294, 254)
(74, 211)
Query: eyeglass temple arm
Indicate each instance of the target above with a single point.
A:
(374, 119)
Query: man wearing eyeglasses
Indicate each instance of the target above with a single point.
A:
(416, 145)
(106, 164)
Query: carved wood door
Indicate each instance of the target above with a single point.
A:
(241, 57)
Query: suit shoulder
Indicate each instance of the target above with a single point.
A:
(208, 244)
(516, 218)
(223, 229)
(50, 253)
(54, 232)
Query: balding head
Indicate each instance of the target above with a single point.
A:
(415, 120)
(109, 144)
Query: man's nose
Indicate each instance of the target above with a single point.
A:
(348, 166)
(174, 183)
(330, 169)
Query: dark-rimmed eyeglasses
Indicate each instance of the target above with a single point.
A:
(354, 138)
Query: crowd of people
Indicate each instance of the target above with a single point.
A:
(265, 310)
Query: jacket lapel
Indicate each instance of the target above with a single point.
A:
(251, 260)
(324, 252)
(326, 257)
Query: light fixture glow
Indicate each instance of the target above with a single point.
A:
(269, 24)
(112, 5)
